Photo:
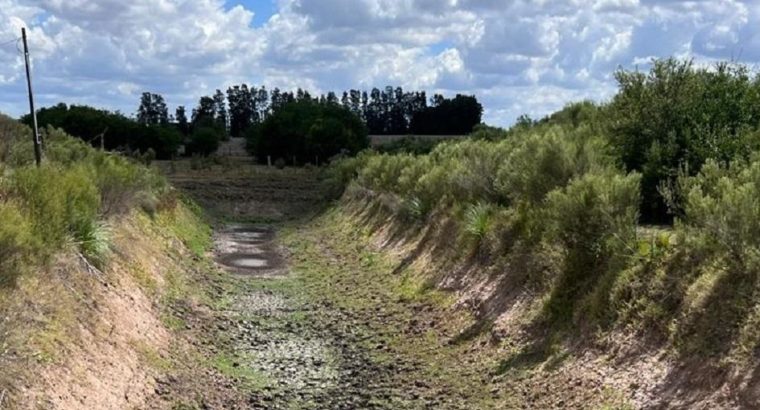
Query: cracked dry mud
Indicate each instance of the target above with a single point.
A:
(301, 362)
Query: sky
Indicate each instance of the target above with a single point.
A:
(517, 56)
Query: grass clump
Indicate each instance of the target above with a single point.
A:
(477, 221)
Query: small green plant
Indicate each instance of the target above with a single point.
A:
(95, 243)
(477, 220)
(414, 208)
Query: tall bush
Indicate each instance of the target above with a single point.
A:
(594, 219)
(16, 242)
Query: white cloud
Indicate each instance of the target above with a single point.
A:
(518, 56)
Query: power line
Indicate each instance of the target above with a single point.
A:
(15, 40)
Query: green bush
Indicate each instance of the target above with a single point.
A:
(477, 221)
(410, 145)
(594, 220)
(11, 132)
(546, 160)
(471, 167)
(382, 172)
(488, 133)
(60, 201)
(342, 171)
(596, 214)
(16, 242)
(722, 210)
(67, 199)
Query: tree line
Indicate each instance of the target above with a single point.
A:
(390, 111)
(243, 110)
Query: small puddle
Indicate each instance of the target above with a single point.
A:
(248, 250)
(249, 263)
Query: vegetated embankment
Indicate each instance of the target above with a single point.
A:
(538, 237)
(100, 262)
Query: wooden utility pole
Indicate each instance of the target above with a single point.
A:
(36, 135)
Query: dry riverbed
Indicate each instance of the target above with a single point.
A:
(312, 317)
(312, 325)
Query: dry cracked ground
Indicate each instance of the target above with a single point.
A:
(313, 320)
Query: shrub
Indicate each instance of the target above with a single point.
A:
(342, 171)
(16, 242)
(472, 167)
(547, 160)
(95, 242)
(64, 201)
(11, 132)
(488, 133)
(722, 209)
(594, 220)
(410, 145)
(596, 212)
(59, 201)
(382, 172)
(118, 183)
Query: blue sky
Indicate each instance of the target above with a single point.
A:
(262, 9)
(517, 56)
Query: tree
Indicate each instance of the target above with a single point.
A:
(308, 130)
(204, 115)
(180, 116)
(457, 116)
(241, 109)
(119, 132)
(263, 107)
(152, 110)
(220, 113)
(677, 116)
(204, 141)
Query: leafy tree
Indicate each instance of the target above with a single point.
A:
(308, 130)
(204, 141)
(241, 109)
(152, 110)
(220, 112)
(676, 117)
(457, 116)
(118, 132)
(181, 117)
(204, 115)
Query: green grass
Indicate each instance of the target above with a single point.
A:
(190, 228)
(234, 366)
